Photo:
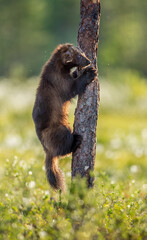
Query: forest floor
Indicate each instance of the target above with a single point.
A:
(114, 209)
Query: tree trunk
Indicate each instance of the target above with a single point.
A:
(86, 113)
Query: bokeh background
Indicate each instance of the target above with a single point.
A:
(29, 31)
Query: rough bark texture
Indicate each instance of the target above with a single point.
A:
(86, 113)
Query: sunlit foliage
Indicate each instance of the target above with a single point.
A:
(115, 208)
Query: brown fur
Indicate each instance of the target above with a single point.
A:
(56, 88)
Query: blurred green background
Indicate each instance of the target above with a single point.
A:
(31, 29)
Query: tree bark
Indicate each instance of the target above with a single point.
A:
(86, 113)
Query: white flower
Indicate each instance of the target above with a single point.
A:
(144, 133)
(68, 174)
(20, 237)
(42, 234)
(109, 154)
(31, 184)
(26, 200)
(113, 182)
(43, 168)
(138, 151)
(12, 140)
(30, 227)
(144, 186)
(116, 143)
(23, 164)
(47, 192)
(99, 148)
(134, 169)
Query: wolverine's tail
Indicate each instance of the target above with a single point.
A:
(54, 174)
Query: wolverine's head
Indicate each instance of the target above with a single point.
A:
(72, 56)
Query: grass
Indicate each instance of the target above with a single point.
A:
(114, 209)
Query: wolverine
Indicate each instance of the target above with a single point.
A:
(56, 88)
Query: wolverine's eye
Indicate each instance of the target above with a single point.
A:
(67, 57)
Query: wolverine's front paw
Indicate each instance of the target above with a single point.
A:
(90, 73)
(76, 142)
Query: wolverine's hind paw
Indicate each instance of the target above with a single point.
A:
(76, 142)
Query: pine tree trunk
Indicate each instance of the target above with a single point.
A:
(86, 113)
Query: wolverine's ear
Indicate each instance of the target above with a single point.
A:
(67, 57)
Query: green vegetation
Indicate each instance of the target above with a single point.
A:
(115, 208)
